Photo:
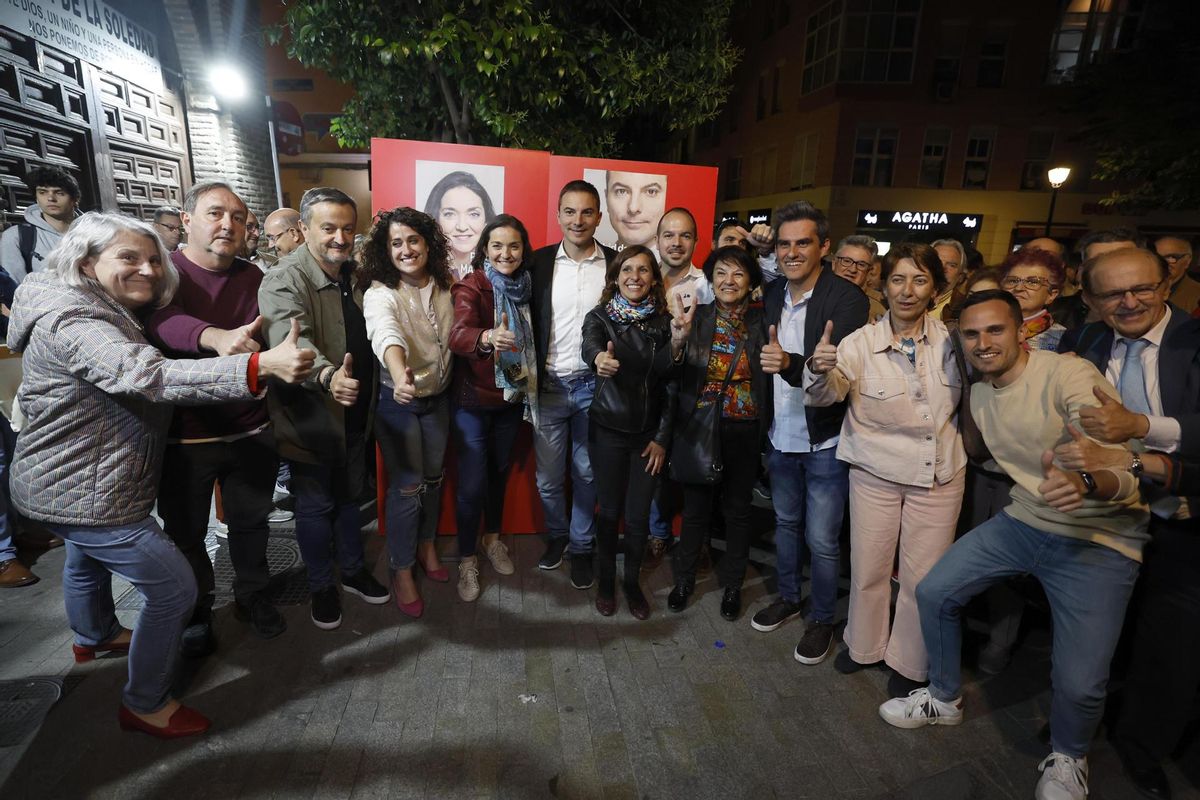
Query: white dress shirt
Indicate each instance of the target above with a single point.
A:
(789, 426)
(574, 291)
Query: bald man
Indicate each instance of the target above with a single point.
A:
(1047, 244)
(283, 231)
(1177, 252)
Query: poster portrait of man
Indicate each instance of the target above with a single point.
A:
(632, 204)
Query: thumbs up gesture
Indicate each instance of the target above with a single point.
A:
(501, 337)
(1083, 453)
(287, 361)
(1061, 490)
(343, 386)
(243, 339)
(773, 357)
(824, 357)
(1111, 422)
(406, 390)
(606, 362)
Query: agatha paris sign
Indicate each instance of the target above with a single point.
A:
(91, 30)
(919, 220)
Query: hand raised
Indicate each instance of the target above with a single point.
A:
(607, 363)
(773, 357)
(234, 341)
(762, 237)
(681, 319)
(406, 391)
(1111, 422)
(824, 357)
(287, 361)
(343, 386)
(1061, 490)
(502, 337)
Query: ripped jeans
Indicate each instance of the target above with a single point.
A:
(413, 439)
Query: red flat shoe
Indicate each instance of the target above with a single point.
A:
(414, 609)
(184, 722)
(441, 574)
(85, 653)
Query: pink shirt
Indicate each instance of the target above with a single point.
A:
(902, 419)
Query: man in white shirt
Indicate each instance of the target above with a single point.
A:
(568, 278)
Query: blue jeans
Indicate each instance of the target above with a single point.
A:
(660, 512)
(484, 438)
(143, 555)
(412, 438)
(1088, 586)
(562, 430)
(327, 514)
(809, 492)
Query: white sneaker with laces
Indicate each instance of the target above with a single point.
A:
(919, 709)
(468, 579)
(1063, 778)
(221, 529)
(497, 553)
(279, 515)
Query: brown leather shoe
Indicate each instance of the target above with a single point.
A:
(655, 551)
(14, 574)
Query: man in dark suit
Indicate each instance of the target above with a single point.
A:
(808, 484)
(568, 278)
(1150, 350)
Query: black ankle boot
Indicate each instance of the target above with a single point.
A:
(677, 600)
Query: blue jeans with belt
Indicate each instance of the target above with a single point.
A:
(562, 434)
(1088, 586)
(143, 555)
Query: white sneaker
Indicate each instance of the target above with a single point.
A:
(497, 553)
(281, 493)
(221, 529)
(468, 579)
(919, 709)
(279, 515)
(1063, 778)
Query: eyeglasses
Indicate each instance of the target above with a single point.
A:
(1033, 283)
(274, 237)
(846, 263)
(1143, 293)
(253, 226)
(1172, 258)
(171, 228)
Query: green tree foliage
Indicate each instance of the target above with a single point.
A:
(538, 74)
(1142, 112)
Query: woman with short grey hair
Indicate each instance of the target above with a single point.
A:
(98, 399)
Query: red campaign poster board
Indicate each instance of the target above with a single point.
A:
(526, 183)
(634, 195)
(405, 173)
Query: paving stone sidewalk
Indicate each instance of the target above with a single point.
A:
(527, 693)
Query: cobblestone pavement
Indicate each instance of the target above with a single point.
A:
(527, 693)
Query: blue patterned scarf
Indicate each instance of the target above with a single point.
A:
(514, 369)
(623, 312)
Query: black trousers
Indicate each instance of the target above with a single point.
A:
(246, 471)
(622, 485)
(1164, 675)
(740, 456)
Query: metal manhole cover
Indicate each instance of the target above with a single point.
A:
(23, 706)
(283, 555)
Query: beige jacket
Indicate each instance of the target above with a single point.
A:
(395, 317)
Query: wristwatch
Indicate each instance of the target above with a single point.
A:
(327, 378)
(1089, 483)
(1135, 465)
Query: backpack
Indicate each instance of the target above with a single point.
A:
(27, 242)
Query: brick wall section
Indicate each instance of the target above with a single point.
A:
(228, 141)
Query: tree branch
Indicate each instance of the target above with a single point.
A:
(461, 134)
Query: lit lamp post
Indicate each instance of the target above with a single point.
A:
(1058, 176)
(228, 83)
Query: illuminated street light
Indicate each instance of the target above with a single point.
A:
(1058, 176)
(227, 82)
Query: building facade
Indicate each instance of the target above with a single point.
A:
(919, 119)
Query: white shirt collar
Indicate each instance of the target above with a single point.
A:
(596, 251)
(1155, 335)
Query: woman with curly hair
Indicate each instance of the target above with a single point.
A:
(627, 342)
(1035, 277)
(409, 314)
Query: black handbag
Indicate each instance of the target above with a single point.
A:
(696, 447)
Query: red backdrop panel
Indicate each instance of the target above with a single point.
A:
(694, 188)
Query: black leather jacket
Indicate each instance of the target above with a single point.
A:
(640, 397)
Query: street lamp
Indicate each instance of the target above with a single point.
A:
(228, 83)
(1058, 176)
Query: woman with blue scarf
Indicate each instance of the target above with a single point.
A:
(627, 341)
(495, 378)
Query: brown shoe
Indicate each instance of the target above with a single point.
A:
(14, 574)
(655, 551)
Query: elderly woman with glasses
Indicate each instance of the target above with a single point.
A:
(854, 259)
(98, 400)
(1035, 277)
